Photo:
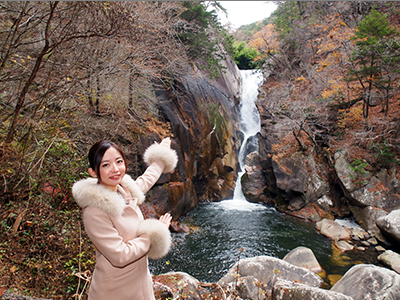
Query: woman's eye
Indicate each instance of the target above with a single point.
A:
(120, 161)
(105, 165)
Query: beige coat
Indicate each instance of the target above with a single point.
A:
(123, 240)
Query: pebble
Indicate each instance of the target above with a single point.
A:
(380, 249)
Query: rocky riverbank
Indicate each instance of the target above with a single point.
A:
(298, 275)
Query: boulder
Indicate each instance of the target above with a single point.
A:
(305, 258)
(285, 290)
(343, 246)
(332, 229)
(253, 183)
(259, 274)
(367, 217)
(390, 225)
(369, 282)
(180, 285)
(391, 259)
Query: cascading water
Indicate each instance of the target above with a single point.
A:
(220, 229)
(249, 120)
(250, 125)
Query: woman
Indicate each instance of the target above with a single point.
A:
(114, 222)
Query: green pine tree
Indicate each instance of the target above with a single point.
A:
(372, 59)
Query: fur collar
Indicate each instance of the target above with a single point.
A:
(87, 192)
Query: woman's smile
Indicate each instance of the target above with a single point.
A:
(112, 169)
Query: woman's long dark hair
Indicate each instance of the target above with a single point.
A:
(96, 154)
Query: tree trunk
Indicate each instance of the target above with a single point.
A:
(22, 95)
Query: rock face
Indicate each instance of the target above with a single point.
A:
(203, 115)
(369, 282)
(291, 178)
(253, 180)
(314, 185)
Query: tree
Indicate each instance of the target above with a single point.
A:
(202, 33)
(371, 56)
(245, 56)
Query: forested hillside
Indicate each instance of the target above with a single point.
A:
(329, 109)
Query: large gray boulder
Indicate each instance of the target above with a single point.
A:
(288, 290)
(369, 282)
(258, 274)
(390, 225)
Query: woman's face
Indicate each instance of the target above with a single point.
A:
(112, 168)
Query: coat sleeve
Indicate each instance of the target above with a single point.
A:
(150, 176)
(108, 242)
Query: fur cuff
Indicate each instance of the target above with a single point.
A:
(158, 152)
(160, 237)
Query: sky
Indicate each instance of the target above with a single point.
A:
(246, 12)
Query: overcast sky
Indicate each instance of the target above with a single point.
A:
(246, 12)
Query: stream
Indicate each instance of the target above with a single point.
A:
(223, 232)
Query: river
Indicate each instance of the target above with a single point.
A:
(224, 231)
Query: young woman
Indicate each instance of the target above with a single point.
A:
(114, 222)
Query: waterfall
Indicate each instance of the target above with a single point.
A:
(249, 121)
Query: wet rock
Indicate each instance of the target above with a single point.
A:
(332, 229)
(365, 243)
(179, 227)
(390, 225)
(391, 259)
(358, 232)
(303, 257)
(380, 249)
(370, 282)
(266, 270)
(343, 246)
(372, 241)
(284, 289)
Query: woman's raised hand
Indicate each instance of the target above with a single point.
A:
(166, 219)
(166, 142)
